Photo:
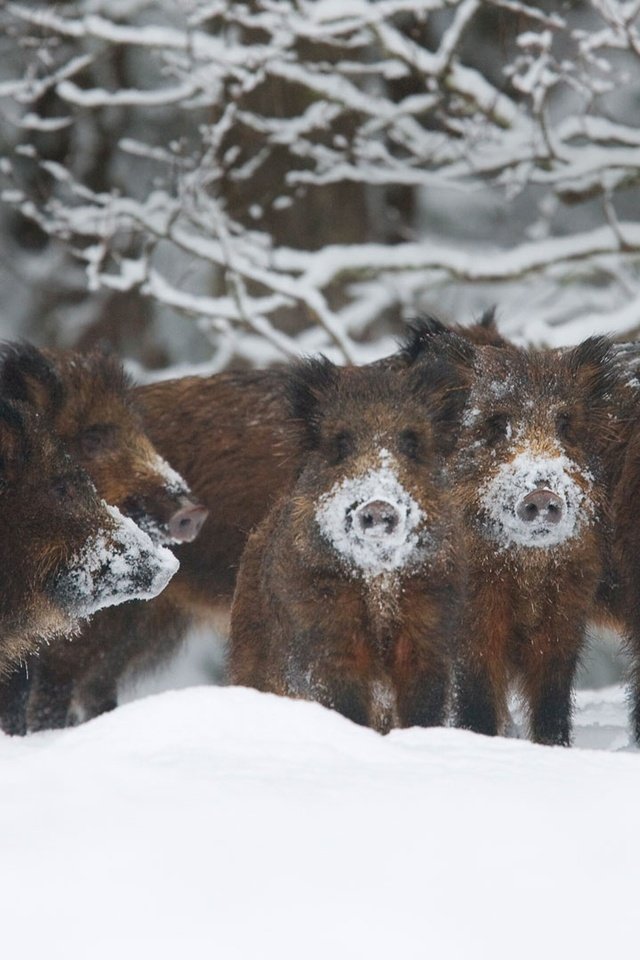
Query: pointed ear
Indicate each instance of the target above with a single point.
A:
(443, 381)
(594, 367)
(488, 320)
(14, 441)
(28, 375)
(309, 382)
(420, 335)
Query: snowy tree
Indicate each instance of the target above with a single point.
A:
(297, 175)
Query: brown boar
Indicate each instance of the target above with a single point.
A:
(64, 554)
(349, 590)
(530, 480)
(87, 403)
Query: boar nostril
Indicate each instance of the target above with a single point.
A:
(541, 505)
(378, 517)
(186, 523)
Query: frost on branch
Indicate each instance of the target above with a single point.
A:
(297, 175)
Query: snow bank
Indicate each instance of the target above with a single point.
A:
(224, 823)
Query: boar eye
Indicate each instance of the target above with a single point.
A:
(497, 428)
(97, 439)
(61, 488)
(342, 445)
(564, 425)
(409, 444)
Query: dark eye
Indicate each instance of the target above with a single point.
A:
(409, 444)
(97, 439)
(564, 426)
(496, 428)
(61, 488)
(342, 446)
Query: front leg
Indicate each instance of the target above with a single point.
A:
(549, 673)
(335, 682)
(14, 695)
(477, 705)
(549, 691)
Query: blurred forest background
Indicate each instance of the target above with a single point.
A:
(217, 182)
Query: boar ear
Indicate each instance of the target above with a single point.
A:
(28, 376)
(595, 367)
(309, 383)
(14, 441)
(420, 336)
(443, 380)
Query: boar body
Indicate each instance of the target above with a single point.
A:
(530, 478)
(349, 591)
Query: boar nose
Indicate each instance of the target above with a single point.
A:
(186, 523)
(541, 505)
(378, 517)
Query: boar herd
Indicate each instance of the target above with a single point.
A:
(408, 542)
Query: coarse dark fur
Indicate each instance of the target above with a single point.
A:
(87, 403)
(528, 605)
(50, 511)
(306, 621)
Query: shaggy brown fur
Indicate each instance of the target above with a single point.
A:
(50, 511)
(88, 404)
(528, 603)
(308, 621)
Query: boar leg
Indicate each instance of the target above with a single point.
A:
(49, 700)
(548, 687)
(422, 700)
(14, 696)
(476, 704)
(95, 696)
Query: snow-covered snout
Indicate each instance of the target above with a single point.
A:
(163, 505)
(371, 520)
(120, 563)
(536, 500)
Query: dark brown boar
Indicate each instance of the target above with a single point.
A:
(530, 479)
(87, 403)
(349, 590)
(63, 553)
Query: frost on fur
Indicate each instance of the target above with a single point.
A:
(372, 552)
(121, 565)
(526, 473)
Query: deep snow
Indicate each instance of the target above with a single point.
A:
(220, 822)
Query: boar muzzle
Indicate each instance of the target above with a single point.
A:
(377, 518)
(541, 506)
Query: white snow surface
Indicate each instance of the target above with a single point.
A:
(365, 552)
(221, 822)
(515, 478)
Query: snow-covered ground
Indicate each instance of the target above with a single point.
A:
(223, 823)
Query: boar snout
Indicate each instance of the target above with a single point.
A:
(186, 523)
(541, 506)
(378, 518)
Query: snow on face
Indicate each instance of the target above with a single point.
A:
(123, 564)
(175, 484)
(378, 549)
(524, 474)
